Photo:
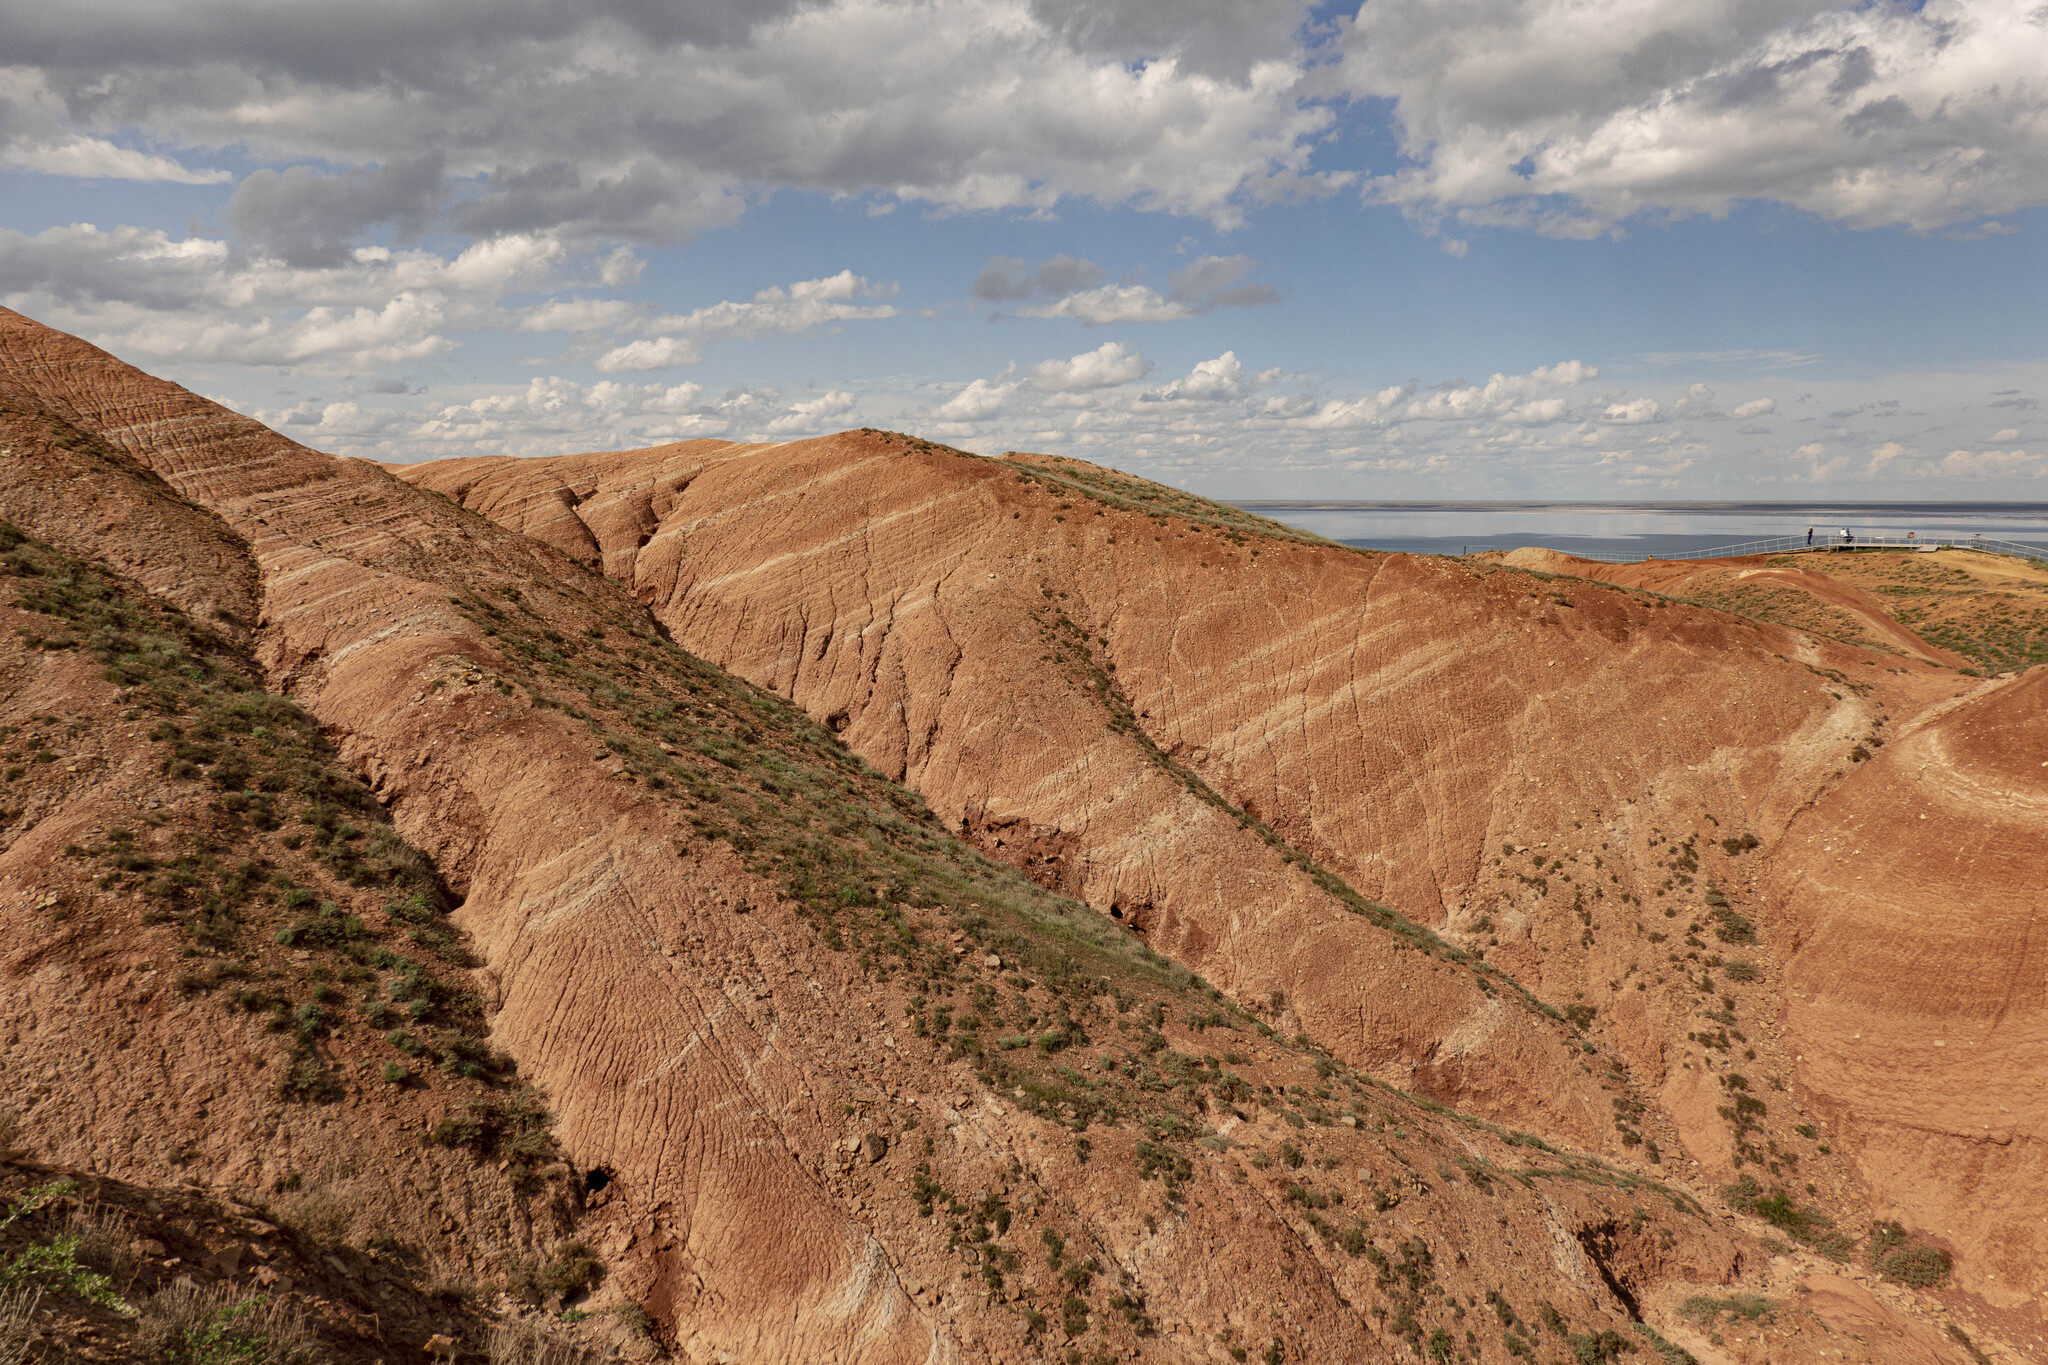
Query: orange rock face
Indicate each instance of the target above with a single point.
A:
(979, 628)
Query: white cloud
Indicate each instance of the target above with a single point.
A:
(1207, 283)
(620, 267)
(548, 416)
(500, 263)
(2008, 434)
(816, 415)
(578, 315)
(1980, 464)
(628, 120)
(1569, 116)
(978, 402)
(1755, 407)
(1210, 381)
(1885, 455)
(1115, 303)
(98, 159)
(142, 293)
(1343, 415)
(1232, 431)
(650, 353)
(1632, 413)
(774, 311)
(1505, 397)
(1106, 366)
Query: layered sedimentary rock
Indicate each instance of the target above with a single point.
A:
(1586, 804)
(1556, 760)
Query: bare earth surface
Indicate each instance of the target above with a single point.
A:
(1643, 888)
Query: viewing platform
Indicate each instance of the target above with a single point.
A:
(1834, 542)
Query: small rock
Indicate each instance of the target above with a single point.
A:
(875, 1147)
(993, 961)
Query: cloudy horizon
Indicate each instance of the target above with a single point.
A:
(1257, 248)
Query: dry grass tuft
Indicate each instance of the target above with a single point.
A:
(185, 1325)
(526, 1341)
(17, 1333)
(103, 1240)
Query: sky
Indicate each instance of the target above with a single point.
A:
(1418, 249)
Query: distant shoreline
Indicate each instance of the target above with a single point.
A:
(1830, 509)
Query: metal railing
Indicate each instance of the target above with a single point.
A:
(1832, 542)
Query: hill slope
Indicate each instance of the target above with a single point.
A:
(861, 1089)
(1127, 696)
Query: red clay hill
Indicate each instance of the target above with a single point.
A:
(858, 900)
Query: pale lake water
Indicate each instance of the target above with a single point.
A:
(1634, 531)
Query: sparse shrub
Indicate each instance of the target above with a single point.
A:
(512, 1126)
(1804, 1222)
(1893, 1255)
(220, 1325)
(1702, 1309)
(452, 1287)
(306, 1079)
(322, 1218)
(53, 1264)
(1739, 970)
(1922, 1267)
(571, 1271)
(1599, 1348)
(327, 927)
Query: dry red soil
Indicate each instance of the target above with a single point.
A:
(824, 823)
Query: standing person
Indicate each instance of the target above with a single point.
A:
(1848, 536)
(1809, 537)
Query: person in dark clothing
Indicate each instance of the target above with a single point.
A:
(1809, 537)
